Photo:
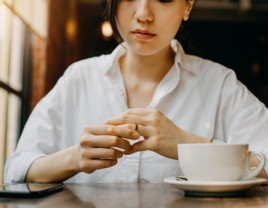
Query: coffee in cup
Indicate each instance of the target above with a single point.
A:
(218, 162)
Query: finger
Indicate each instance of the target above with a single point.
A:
(105, 141)
(97, 153)
(144, 131)
(140, 111)
(139, 146)
(126, 118)
(128, 126)
(89, 166)
(112, 130)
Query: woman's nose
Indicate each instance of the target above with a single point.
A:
(143, 11)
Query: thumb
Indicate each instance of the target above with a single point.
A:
(139, 146)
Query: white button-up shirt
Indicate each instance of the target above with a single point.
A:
(198, 95)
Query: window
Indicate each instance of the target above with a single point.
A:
(14, 39)
(20, 21)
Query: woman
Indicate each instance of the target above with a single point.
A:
(119, 117)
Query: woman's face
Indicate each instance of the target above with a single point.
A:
(160, 18)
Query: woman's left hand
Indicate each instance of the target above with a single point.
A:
(160, 133)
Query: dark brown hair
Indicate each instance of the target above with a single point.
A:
(110, 13)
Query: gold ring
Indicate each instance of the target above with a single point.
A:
(136, 129)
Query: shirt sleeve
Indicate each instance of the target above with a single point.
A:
(243, 117)
(41, 135)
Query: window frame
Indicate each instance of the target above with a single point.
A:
(25, 93)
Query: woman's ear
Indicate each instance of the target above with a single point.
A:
(189, 7)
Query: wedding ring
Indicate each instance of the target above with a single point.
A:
(136, 129)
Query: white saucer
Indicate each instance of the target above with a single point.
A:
(202, 188)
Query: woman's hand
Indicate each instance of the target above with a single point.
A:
(160, 133)
(96, 151)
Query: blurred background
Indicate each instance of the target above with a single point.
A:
(39, 39)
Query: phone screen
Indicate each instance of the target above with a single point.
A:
(28, 187)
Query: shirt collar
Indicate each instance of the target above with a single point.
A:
(181, 58)
(186, 61)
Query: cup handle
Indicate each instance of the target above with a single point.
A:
(252, 172)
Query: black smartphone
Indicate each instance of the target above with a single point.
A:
(30, 189)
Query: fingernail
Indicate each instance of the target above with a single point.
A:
(105, 122)
(136, 135)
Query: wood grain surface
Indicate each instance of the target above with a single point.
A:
(133, 196)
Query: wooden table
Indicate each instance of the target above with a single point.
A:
(134, 195)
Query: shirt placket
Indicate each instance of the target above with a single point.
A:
(167, 85)
(131, 162)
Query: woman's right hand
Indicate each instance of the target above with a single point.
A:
(95, 150)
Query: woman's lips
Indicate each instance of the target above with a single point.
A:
(143, 34)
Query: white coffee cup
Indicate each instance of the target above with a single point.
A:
(218, 162)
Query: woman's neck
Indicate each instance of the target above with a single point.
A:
(151, 68)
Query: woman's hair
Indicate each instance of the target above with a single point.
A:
(111, 15)
(182, 35)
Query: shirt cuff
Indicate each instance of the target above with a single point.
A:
(18, 165)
